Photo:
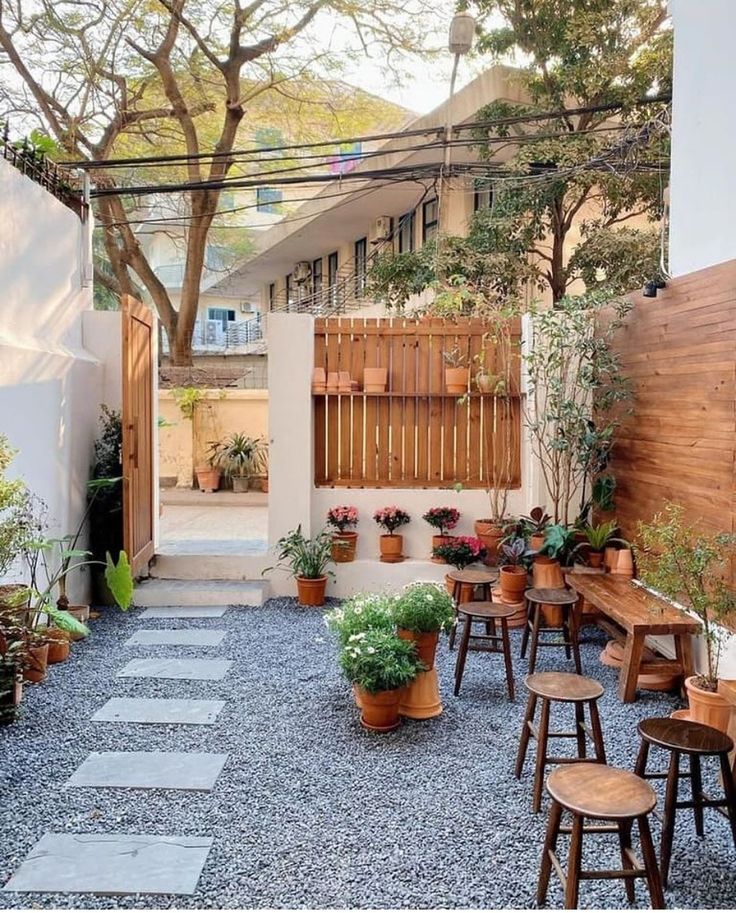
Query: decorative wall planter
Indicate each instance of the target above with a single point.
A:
(311, 590)
(375, 380)
(708, 707)
(490, 534)
(513, 582)
(392, 548)
(37, 658)
(456, 380)
(380, 712)
(343, 547)
(208, 479)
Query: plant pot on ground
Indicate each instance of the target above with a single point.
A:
(307, 561)
(36, 661)
(392, 545)
(422, 611)
(208, 478)
(443, 519)
(240, 457)
(343, 519)
(490, 532)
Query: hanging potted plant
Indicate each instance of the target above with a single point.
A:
(443, 519)
(457, 372)
(460, 552)
(240, 457)
(535, 526)
(597, 539)
(380, 665)
(343, 519)
(687, 566)
(306, 560)
(391, 519)
(513, 575)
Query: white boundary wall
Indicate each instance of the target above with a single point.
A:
(59, 360)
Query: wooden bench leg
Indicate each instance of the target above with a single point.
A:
(684, 656)
(630, 669)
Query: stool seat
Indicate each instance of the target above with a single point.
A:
(686, 736)
(601, 792)
(563, 686)
(486, 609)
(559, 596)
(474, 575)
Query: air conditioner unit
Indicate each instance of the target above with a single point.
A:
(302, 271)
(382, 228)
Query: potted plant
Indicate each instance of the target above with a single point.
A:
(597, 538)
(240, 457)
(11, 681)
(535, 526)
(306, 559)
(343, 519)
(208, 475)
(380, 665)
(460, 552)
(105, 499)
(421, 612)
(363, 612)
(513, 573)
(442, 519)
(686, 565)
(457, 372)
(391, 519)
(13, 502)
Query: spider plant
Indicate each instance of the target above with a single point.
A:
(302, 556)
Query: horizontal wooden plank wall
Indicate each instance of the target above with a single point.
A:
(415, 435)
(679, 350)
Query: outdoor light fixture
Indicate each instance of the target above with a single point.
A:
(462, 32)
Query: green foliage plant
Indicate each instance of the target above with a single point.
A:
(186, 399)
(598, 537)
(689, 566)
(424, 608)
(302, 556)
(363, 612)
(238, 455)
(379, 661)
(13, 501)
(559, 543)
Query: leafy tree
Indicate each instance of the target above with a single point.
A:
(97, 75)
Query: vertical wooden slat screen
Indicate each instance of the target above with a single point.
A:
(415, 435)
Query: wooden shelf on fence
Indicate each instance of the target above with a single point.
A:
(413, 393)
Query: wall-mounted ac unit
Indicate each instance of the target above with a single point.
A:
(382, 228)
(302, 271)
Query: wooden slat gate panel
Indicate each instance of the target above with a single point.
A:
(138, 414)
(415, 435)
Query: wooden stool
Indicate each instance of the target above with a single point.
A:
(490, 642)
(563, 688)
(697, 741)
(470, 576)
(568, 601)
(602, 794)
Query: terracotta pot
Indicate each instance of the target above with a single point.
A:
(36, 662)
(240, 483)
(456, 380)
(519, 618)
(380, 711)
(421, 699)
(81, 613)
(208, 479)
(547, 574)
(513, 582)
(264, 485)
(595, 558)
(311, 590)
(333, 382)
(392, 548)
(610, 557)
(536, 541)
(708, 707)
(624, 563)
(343, 547)
(426, 644)
(467, 590)
(375, 380)
(9, 702)
(59, 646)
(356, 696)
(490, 534)
(437, 541)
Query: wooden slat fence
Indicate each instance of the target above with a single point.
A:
(415, 435)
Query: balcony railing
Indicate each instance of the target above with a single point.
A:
(211, 336)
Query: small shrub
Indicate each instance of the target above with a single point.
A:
(462, 551)
(343, 517)
(442, 518)
(364, 612)
(424, 608)
(380, 661)
(391, 518)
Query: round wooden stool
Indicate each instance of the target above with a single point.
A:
(490, 642)
(602, 794)
(562, 688)
(568, 602)
(687, 737)
(470, 576)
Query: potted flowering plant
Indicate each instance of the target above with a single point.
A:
(380, 664)
(345, 539)
(421, 611)
(442, 519)
(364, 612)
(513, 573)
(392, 546)
(460, 552)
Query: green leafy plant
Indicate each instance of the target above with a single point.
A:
(424, 608)
(536, 523)
(105, 491)
(686, 565)
(559, 543)
(598, 537)
(120, 579)
(302, 556)
(238, 455)
(186, 399)
(364, 612)
(13, 501)
(379, 661)
(516, 553)
(455, 358)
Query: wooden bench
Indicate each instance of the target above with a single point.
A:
(631, 613)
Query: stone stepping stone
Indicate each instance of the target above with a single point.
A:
(192, 669)
(187, 611)
(112, 864)
(177, 637)
(158, 710)
(150, 770)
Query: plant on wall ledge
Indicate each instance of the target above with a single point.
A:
(392, 545)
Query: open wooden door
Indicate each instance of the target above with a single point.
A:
(138, 413)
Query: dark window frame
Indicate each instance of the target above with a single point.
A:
(406, 230)
(430, 227)
(360, 263)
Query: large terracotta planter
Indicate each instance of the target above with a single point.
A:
(208, 479)
(624, 563)
(456, 380)
(536, 541)
(436, 542)
(59, 646)
(311, 590)
(467, 590)
(37, 658)
(490, 534)
(708, 707)
(426, 644)
(547, 575)
(343, 547)
(513, 582)
(392, 548)
(380, 712)
(375, 380)
(421, 699)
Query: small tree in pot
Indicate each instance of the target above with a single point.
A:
(392, 546)
(443, 519)
(306, 560)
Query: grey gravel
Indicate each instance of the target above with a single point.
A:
(310, 810)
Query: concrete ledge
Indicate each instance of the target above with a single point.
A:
(368, 576)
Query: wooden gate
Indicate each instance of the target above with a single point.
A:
(138, 414)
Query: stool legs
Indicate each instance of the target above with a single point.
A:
(505, 649)
(462, 653)
(729, 791)
(550, 845)
(696, 785)
(668, 821)
(542, 740)
(650, 864)
(531, 706)
(624, 840)
(507, 659)
(535, 638)
(595, 725)
(530, 609)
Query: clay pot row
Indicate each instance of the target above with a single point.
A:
(375, 380)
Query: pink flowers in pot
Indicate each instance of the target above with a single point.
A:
(391, 518)
(343, 517)
(461, 551)
(442, 518)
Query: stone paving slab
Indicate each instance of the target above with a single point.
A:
(187, 611)
(176, 637)
(158, 710)
(149, 770)
(112, 864)
(191, 669)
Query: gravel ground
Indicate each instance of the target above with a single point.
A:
(310, 810)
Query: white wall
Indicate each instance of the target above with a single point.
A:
(51, 384)
(703, 179)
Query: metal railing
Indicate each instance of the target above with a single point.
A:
(211, 336)
(347, 293)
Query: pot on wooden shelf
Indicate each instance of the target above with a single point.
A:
(319, 381)
(490, 534)
(392, 548)
(311, 590)
(708, 707)
(456, 380)
(624, 563)
(375, 380)
(208, 478)
(36, 663)
(379, 712)
(610, 558)
(513, 582)
(343, 547)
(436, 542)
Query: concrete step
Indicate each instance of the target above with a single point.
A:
(209, 567)
(165, 592)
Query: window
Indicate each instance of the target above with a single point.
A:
(406, 233)
(289, 285)
(482, 195)
(430, 216)
(222, 314)
(361, 265)
(268, 199)
(332, 266)
(317, 278)
(271, 296)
